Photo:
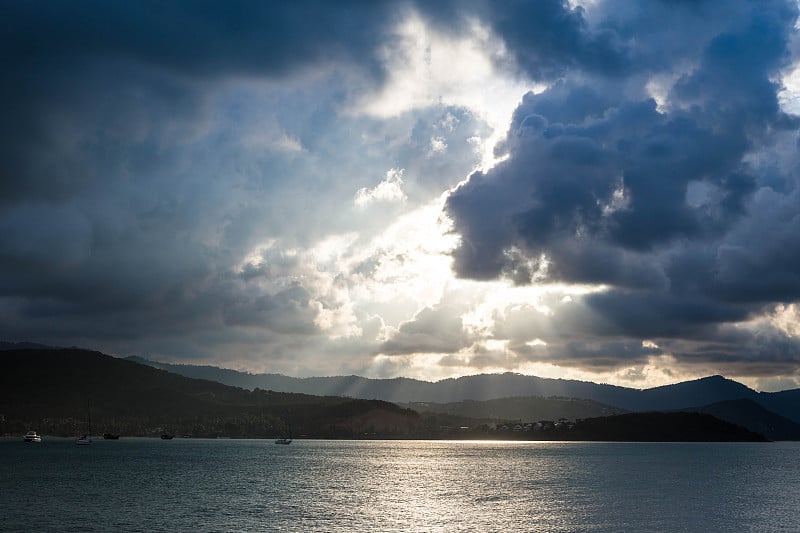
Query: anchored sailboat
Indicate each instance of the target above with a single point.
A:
(285, 440)
(86, 438)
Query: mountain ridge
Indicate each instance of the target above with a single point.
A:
(751, 415)
(51, 391)
(482, 387)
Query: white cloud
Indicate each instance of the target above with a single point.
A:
(389, 190)
(438, 145)
(789, 97)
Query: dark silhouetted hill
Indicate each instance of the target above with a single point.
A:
(524, 409)
(689, 393)
(750, 415)
(785, 403)
(49, 390)
(485, 387)
(406, 390)
(662, 427)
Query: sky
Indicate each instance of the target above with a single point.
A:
(596, 190)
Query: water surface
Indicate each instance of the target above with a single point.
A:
(249, 485)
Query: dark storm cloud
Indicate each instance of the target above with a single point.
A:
(434, 329)
(670, 205)
(288, 311)
(118, 58)
(588, 354)
(572, 333)
(199, 38)
(583, 140)
(130, 189)
(546, 38)
(763, 352)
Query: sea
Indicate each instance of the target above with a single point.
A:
(138, 484)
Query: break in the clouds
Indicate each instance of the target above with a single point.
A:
(604, 190)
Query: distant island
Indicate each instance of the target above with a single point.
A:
(47, 389)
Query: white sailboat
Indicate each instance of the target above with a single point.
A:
(32, 436)
(86, 438)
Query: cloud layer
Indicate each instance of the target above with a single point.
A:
(308, 187)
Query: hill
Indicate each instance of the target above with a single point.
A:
(483, 387)
(750, 415)
(404, 390)
(673, 426)
(519, 408)
(49, 389)
(785, 403)
(662, 427)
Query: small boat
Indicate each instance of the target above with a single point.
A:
(166, 436)
(32, 436)
(285, 440)
(110, 436)
(86, 438)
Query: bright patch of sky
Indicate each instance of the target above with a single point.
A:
(429, 68)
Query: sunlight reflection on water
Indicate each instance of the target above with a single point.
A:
(147, 485)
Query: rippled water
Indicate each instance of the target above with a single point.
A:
(249, 485)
